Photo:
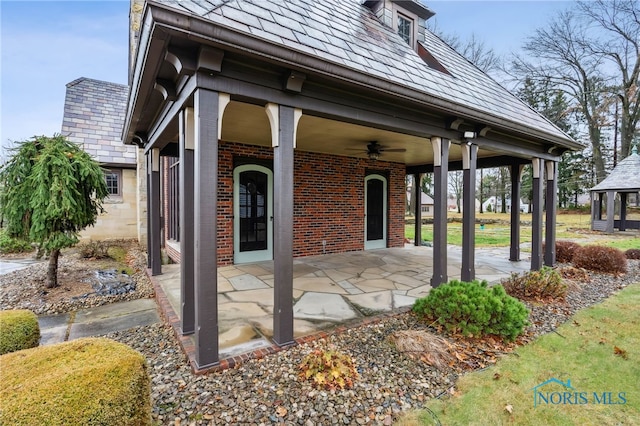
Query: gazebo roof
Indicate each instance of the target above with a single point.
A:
(625, 177)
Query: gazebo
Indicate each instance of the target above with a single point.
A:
(623, 180)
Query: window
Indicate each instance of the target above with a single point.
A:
(405, 29)
(114, 182)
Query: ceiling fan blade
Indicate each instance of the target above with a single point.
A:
(393, 150)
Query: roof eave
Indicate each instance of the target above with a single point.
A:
(195, 27)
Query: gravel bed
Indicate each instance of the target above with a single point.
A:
(269, 390)
(24, 288)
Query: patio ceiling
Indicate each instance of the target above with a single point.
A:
(247, 123)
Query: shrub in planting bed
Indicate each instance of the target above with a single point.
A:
(91, 381)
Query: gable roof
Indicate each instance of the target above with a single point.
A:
(348, 34)
(625, 177)
(94, 113)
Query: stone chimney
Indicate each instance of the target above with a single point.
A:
(135, 17)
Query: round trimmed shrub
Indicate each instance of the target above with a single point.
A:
(565, 251)
(91, 381)
(19, 330)
(632, 254)
(473, 309)
(600, 259)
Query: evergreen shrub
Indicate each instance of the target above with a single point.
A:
(473, 309)
(9, 244)
(89, 381)
(19, 330)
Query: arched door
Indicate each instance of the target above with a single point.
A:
(253, 214)
(375, 202)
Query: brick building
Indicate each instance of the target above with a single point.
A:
(284, 129)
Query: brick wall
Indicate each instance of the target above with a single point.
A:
(328, 200)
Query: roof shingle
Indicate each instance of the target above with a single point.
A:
(624, 177)
(94, 112)
(348, 33)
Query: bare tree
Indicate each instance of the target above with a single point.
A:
(620, 48)
(592, 54)
(456, 185)
(474, 49)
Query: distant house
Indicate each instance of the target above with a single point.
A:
(493, 204)
(426, 203)
(93, 115)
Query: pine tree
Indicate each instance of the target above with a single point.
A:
(51, 190)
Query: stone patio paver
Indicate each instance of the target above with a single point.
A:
(320, 285)
(247, 282)
(323, 307)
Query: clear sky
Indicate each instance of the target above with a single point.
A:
(47, 44)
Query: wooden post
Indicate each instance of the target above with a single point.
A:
(283, 155)
(155, 221)
(469, 163)
(440, 172)
(205, 226)
(187, 291)
(550, 225)
(417, 191)
(536, 221)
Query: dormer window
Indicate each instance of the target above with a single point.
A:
(406, 17)
(405, 29)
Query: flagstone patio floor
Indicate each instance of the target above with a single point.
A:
(328, 290)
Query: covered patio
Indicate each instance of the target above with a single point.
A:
(278, 132)
(329, 292)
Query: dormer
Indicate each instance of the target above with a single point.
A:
(406, 17)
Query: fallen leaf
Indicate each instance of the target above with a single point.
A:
(576, 323)
(620, 352)
(281, 411)
(509, 408)
(602, 341)
(496, 376)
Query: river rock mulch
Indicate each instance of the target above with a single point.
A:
(270, 390)
(78, 286)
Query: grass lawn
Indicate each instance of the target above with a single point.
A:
(598, 351)
(499, 234)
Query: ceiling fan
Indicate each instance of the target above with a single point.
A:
(374, 150)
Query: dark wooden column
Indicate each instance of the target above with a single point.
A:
(148, 183)
(600, 202)
(537, 207)
(204, 216)
(283, 152)
(187, 292)
(514, 250)
(154, 212)
(469, 163)
(611, 211)
(440, 171)
(417, 192)
(551, 201)
(623, 211)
